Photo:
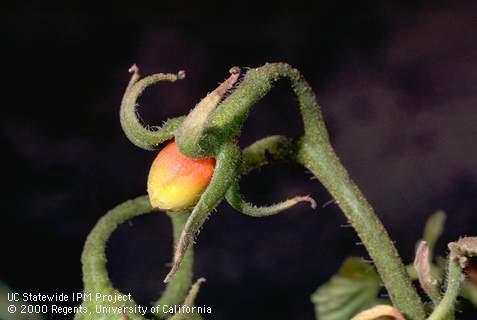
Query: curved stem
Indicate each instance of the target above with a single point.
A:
(323, 162)
(95, 273)
(445, 309)
(229, 117)
(145, 137)
(93, 258)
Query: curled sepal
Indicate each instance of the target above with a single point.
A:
(379, 312)
(260, 153)
(235, 200)
(190, 135)
(422, 264)
(188, 311)
(226, 170)
(145, 137)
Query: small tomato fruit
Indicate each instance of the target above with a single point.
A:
(176, 181)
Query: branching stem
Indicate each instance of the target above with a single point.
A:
(214, 133)
(316, 153)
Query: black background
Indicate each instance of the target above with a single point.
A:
(397, 82)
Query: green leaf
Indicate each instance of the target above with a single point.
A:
(352, 290)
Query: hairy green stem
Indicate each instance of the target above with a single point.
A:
(95, 273)
(445, 309)
(323, 162)
(317, 154)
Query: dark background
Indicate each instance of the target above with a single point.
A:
(397, 82)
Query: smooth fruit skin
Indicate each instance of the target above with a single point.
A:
(176, 181)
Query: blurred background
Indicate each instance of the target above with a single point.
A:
(397, 81)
